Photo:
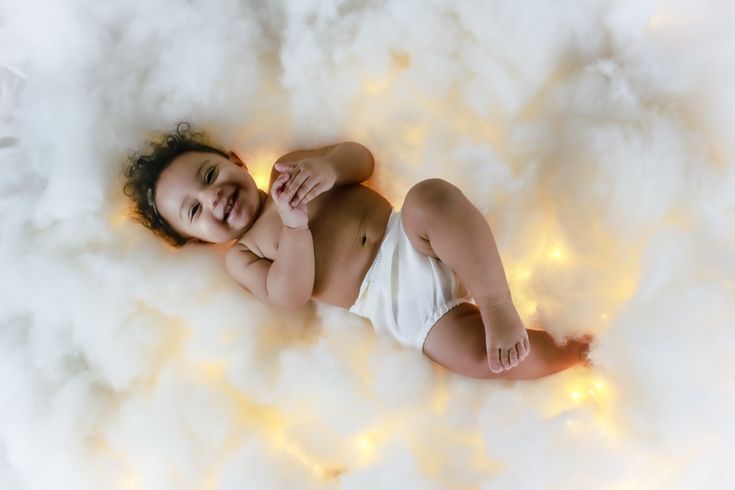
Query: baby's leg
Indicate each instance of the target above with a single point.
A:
(441, 222)
(457, 342)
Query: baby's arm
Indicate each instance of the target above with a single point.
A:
(344, 163)
(288, 281)
(353, 162)
(285, 282)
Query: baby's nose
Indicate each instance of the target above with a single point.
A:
(215, 196)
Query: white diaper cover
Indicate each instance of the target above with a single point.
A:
(405, 292)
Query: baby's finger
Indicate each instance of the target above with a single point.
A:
(286, 167)
(294, 186)
(311, 194)
(278, 184)
(283, 179)
(303, 191)
(298, 179)
(279, 180)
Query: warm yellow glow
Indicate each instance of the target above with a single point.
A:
(119, 217)
(262, 178)
(588, 389)
(129, 485)
(664, 18)
(376, 86)
(293, 450)
(592, 393)
(478, 130)
(268, 420)
(128, 481)
(213, 370)
(300, 455)
(624, 289)
(415, 135)
(260, 166)
(604, 317)
(441, 396)
(556, 253)
(526, 307)
(211, 481)
(366, 445)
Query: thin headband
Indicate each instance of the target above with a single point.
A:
(153, 203)
(158, 217)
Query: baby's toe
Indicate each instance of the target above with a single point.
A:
(505, 358)
(513, 357)
(521, 351)
(495, 365)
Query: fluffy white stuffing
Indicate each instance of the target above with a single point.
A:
(596, 137)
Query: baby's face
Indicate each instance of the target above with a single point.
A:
(208, 196)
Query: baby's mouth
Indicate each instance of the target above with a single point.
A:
(230, 205)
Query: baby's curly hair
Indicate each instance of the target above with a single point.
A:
(143, 169)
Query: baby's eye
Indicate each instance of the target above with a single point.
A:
(209, 176)
(193, 211)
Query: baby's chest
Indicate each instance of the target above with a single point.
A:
(262, 239)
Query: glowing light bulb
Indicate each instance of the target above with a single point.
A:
(365, 444)
(556, 253)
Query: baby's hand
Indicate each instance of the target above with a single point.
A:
(311, 177)
(293, 217)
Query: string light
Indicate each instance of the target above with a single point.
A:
(556, 253)
(593, 389)
(366, 446)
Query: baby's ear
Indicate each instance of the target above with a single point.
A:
(236, 160)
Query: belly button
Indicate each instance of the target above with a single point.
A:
(364, 239)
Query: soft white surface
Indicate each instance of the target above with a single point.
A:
(597, 137)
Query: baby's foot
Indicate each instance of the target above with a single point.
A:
(506, 338)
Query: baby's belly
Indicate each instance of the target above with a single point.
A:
(346, 245)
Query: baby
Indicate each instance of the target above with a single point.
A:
(430, 275)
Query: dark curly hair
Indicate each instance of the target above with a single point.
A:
(143, 169)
